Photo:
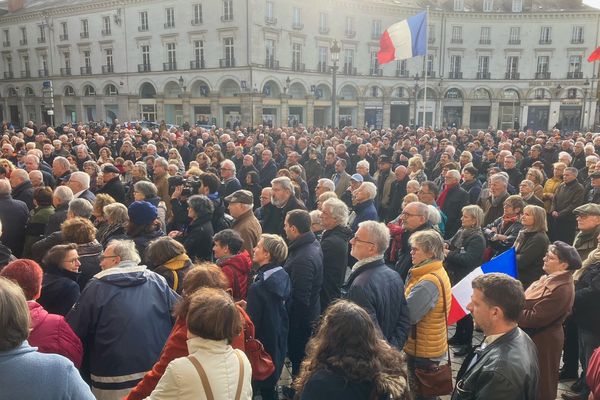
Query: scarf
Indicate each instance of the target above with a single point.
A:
(508, 221)
(462, 235)
(442, 198)
(592, 259)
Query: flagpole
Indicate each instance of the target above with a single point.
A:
(426, 60)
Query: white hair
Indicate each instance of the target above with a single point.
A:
(64, 194)
(454, 174)
(126, 250)
(228, 163)
(338, 209)
(370, 188)
(328, 183)
(434, 216)
(363, 163)
(82, 178)
(378, 233)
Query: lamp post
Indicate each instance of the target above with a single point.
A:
(441, 97)
(416, 99)
(335, 57)
(181, 87)
(286, 88)
(586, 84)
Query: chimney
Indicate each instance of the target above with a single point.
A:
(15, 5)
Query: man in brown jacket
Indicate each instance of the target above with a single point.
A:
(246, 224)
(568, 197)
(162, 183)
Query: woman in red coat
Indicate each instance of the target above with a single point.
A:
(203, 275)
(548, 302)
(50, 333)
(233, 260)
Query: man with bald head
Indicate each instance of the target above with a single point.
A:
(32, 163)
(22, 189)
(13, 215)
(267, 169)
(247, 166)
(398, 191)
(61, 168)
(37, 179)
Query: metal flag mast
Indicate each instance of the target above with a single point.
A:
(425, 72)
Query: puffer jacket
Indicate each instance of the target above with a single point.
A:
(50, 333)
(136, 307)
(237, 268)
(380, 291)
(334, 244)
(174, 271)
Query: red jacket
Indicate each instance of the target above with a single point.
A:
(237, 268)
(176, 347)
(50, 333)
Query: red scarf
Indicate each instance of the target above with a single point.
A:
(508, 221)
(442, 198)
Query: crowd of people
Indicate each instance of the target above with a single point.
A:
(138, 263)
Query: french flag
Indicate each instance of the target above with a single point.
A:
(505, 263)
(404, 39)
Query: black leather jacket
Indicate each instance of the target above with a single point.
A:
(506, 369)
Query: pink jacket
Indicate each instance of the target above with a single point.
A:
(50, 333)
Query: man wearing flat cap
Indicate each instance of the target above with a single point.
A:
(384, 179)
(246, 224)
(112, 183)
(592, 194)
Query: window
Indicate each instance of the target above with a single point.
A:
(89, 90)
(23, 36)
(512, 67)
(348, 61)
(488, 5)
(575, 64)
(171, 54)
(42, 31)
(270, 53)
(296, 17)
(69, 91)
(67, 59)
(6, 38)
(229, 52)
(145, 57)
(65, 30)
(455, 66)
(111, 90)
(543, 63)
(227, 10)
(106, 26)
(374, 64)
(572, 93)
(85, 30)
(199, 53)
(401, 69)
(44, 62)
(459, 5)
(323, 23)
(143, 21)
(350, 26)
(429, 66)
(577, 35)
(296, 56)
(484, 36)
(483, 67)
(87, 59)
(9, 67)
(545, 35)
(109, 58)
(515, 35)
(517, 5)
(431, 34)
(197, 14)
(25, 64)
(269, 18)
(456, 34)
(169, 17)
(376, 29)
(323, 52)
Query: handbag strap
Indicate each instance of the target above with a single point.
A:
(203, 378)
(206, 384)
(445, 317)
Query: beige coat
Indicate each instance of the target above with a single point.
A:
(181, 380)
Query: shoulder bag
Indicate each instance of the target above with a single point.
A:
(206, 385)
(260, 360)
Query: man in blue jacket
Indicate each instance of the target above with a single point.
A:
(304, 265)
(123, 318)
(376, 287)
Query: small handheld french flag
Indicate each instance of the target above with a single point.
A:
(505, 263)
(404, 39)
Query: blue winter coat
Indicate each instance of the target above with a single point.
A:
(123, 318)
(365, 211)
(267, 307)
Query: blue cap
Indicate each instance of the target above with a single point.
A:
(357, 178)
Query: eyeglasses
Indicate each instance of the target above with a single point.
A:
(103, 257)
(409, 214)
(72, 261)
(422, 192)
(360, 240)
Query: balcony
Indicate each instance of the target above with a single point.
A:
(8, 75)
(108, 69)
(455, 75)
(456, 41)
(298, 67)
(41, 40)
(84, 35)
(349, 69)
(196, 22)
(86, 70)
(270, 20)
(512, 75)
(514, 41)
(323, 30)
(143, 28)
(350, 34)
(431, 40)
(64, 37)
(25, 74)
(297, 26)
(226, 18)
(545, 41)
(170, 66)
(484, 75)
(575, 75)
(375, 71)
(23, 42)
(542, 75)
(485, 41)
(227, 62)
(144, 68)
(170, 25)
(271, 63)
(6, 44)
(197, 64)
(375, 35)
(402, 73)
(42, 73)
(106, 32)
(322, 68)
(577, 41)
(65, 71)
(431, 74)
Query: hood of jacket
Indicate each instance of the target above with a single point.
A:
(178, 262)
(393, 386)
(38, 314)
(241, 262)
(89, 249)
(363, 206)
(343, 232)
(301, 241)
(275, 280)
(126, 274)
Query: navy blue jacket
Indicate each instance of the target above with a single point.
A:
(123, 318)
(267, 307)
(14, 215)
(380, 291)
(365, 211)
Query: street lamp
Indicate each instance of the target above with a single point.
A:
(416, 99)
(286, 88)
(335, 57)
(181, 87)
